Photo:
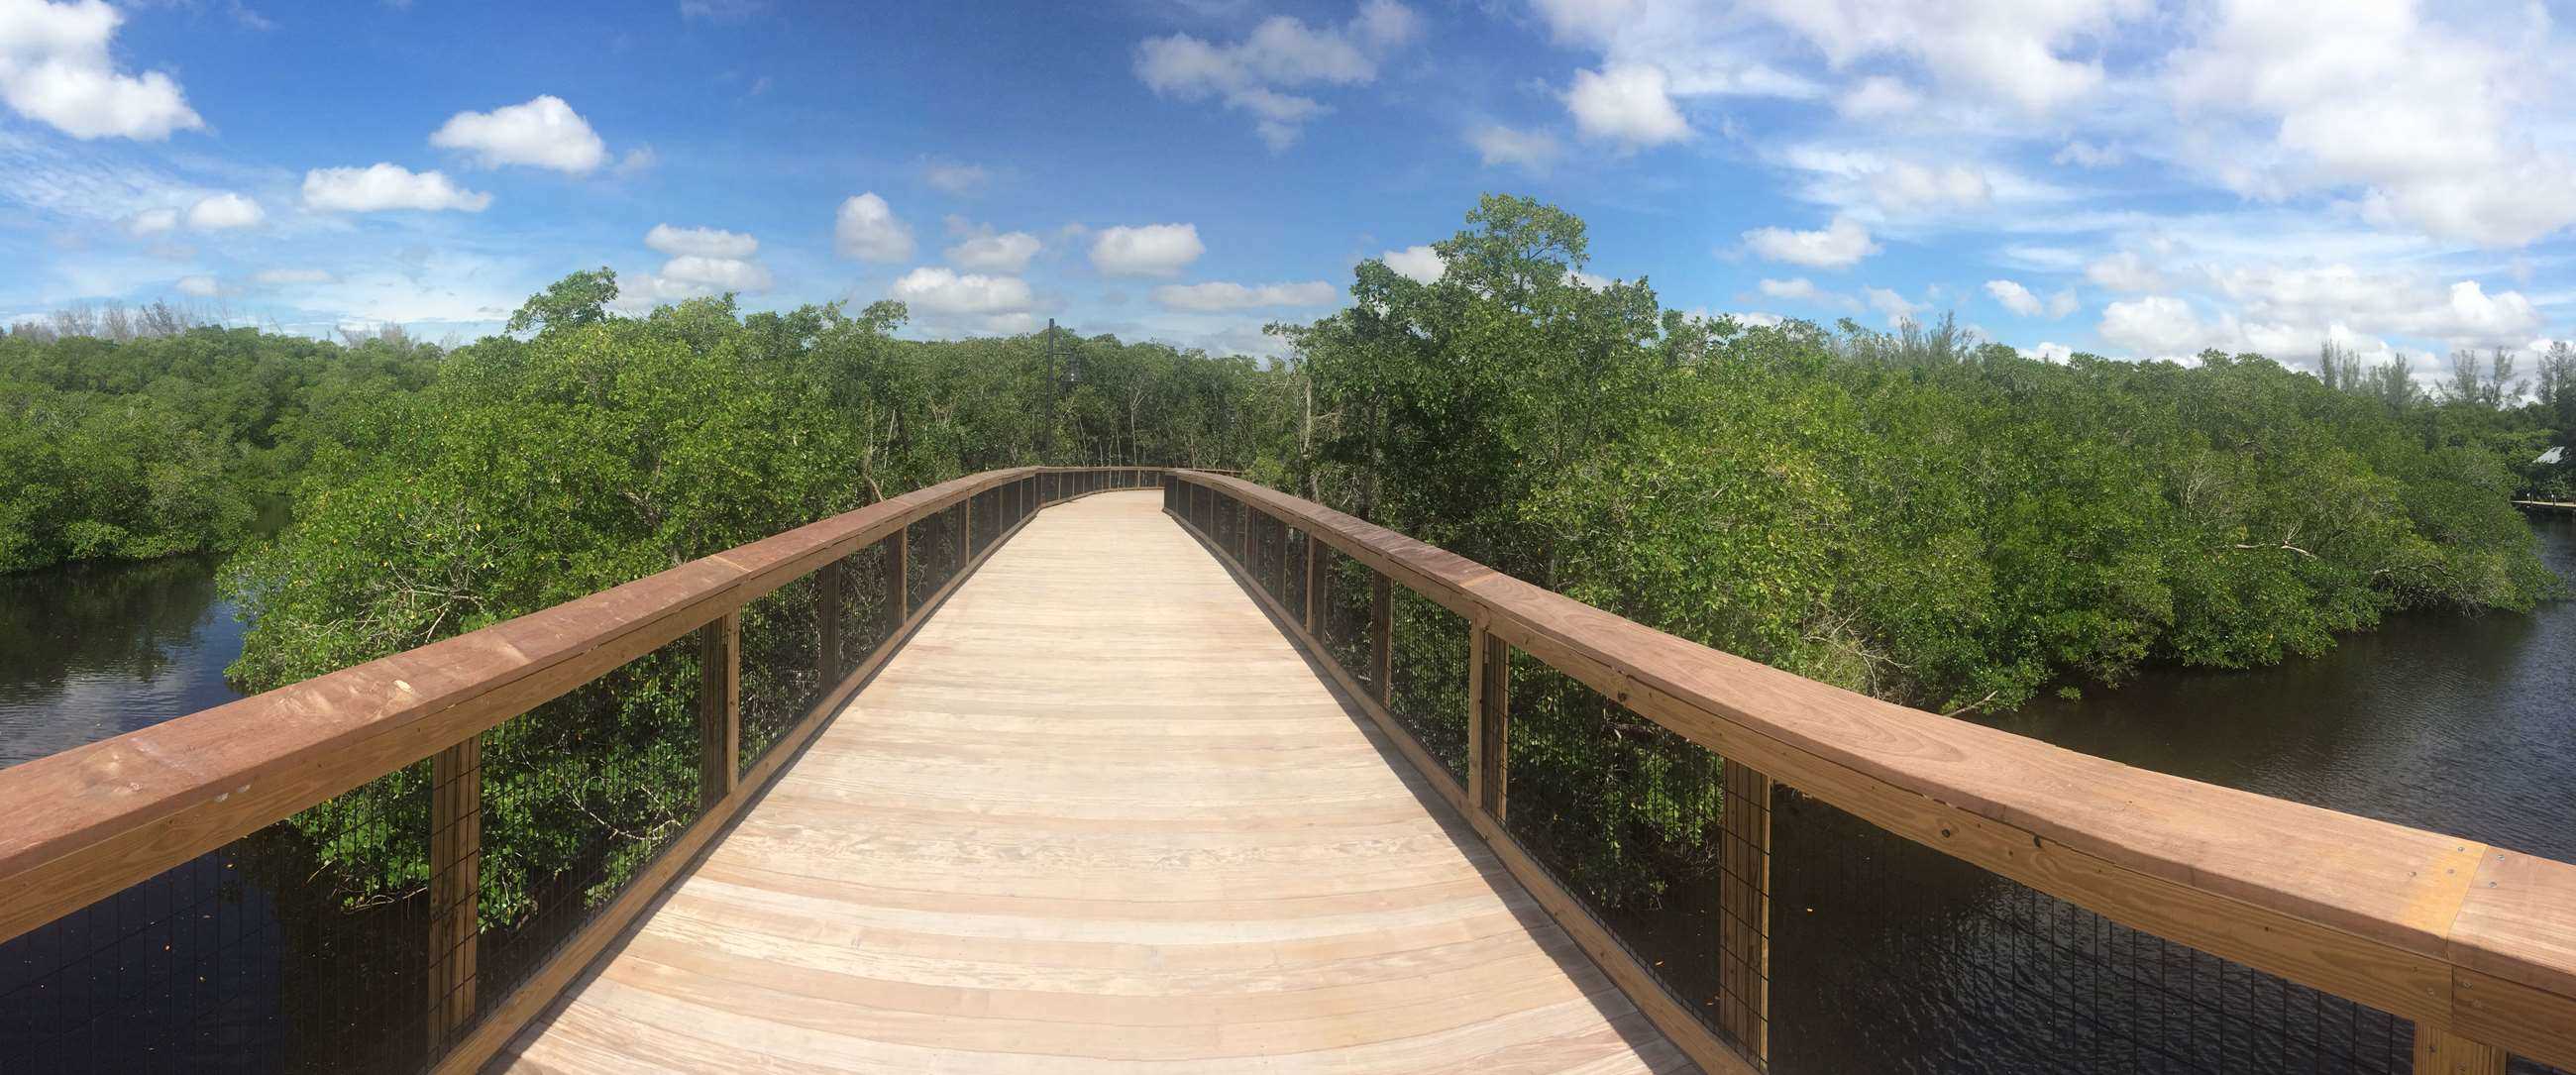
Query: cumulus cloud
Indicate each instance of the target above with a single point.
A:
(1146, 250)
(2153, 325)
(1532, 151)
(1282, 53)
(1799, 288)
(984, 250)
(380, 187)
(2019, 56)
(701, 242)
(2018, 299)
(2460, 312)
(946, 291)
(225, 211)
(55, 69)
(1896, 307)
(2441, 130)
(1219, 295)
(2125, 272)
(198, 286)
(541, 133)
(1878, 97)
(716, 274)
(1629, 105)
(1904, 186)
(1421, 264)
(1842, 243)
(866, 229)
(274, 277)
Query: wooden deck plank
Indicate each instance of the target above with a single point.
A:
(1099, 816)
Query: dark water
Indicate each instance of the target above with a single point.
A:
(1888, 956)
(96, 650)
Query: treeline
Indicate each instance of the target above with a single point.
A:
(146, 436)
(1914, 515)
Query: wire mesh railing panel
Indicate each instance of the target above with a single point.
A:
(1292, 591)
(301, 947)
(1896, 957)
(932, 556)
(1343, 610)
(781, 676)
(1629, 818)
(578, 795)
(1429, 670)
(867, 609)
(1227, 514)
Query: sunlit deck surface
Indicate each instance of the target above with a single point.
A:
(1099, 815)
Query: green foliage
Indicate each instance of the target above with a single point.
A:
(155, 446)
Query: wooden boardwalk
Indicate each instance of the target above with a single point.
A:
(1098, 815)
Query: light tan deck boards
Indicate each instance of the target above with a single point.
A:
(1099, 815)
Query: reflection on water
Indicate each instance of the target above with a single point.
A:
(1888, 956)
(96, 650)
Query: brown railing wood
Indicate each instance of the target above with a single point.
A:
(720, 706)
(2453, 935)
(1489, 714)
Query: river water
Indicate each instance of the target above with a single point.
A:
(1886, 956)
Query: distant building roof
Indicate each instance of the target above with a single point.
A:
(2554, 455)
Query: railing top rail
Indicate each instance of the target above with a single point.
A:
(2457, 923)
(81, 824)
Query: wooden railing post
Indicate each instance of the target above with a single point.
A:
(1382, 641)
(1744, 910)
(455, 882)
(719, 708)
(1489, 685)
(827, 626)
(2440, 1052)
(965, 530)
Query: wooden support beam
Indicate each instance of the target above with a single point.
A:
(719, 707)
(455, 882)
(1744, 911)
(2440, 1052)
(1489, 679)
(1382, 640)
(827, 624)
(898, 558)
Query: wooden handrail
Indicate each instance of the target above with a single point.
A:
(82, 824)
(2459, 937)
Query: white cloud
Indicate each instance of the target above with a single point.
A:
(721, 10)
(2018, 299)
(701, 242)
(1627, 105)
(2008, 54)
(1799, 288)
(274, 277)
(1703, 48)
(2461, 312)
(946, 291)
(55, 69)
(1219, 295)
(1896, 307)
(984, 250)
(1421, 264)
(542, 133)
(2154, 325)
(716, 274)
(224, 211)
(1842, 243)
(1281, 53)
(2047, 351)
(2083, 154)
(1146, 250)
(380, 187)
(152, 222)
(866, 229)
(2442, 131)
(954, 178)
(198, 286)
(1905, 186)
(1878, 97)
(637, 161)
(1533, 151)
(2125, 272)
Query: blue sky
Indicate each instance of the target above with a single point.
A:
(2104, 175)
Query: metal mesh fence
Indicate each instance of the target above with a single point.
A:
(781, 679)
(1897, 957)
(1292, 572)
(868, 608)
(258, 956)
(1629, 817)
(577, 796)
(1343, 609)
(933, 555)
(1429, 674)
